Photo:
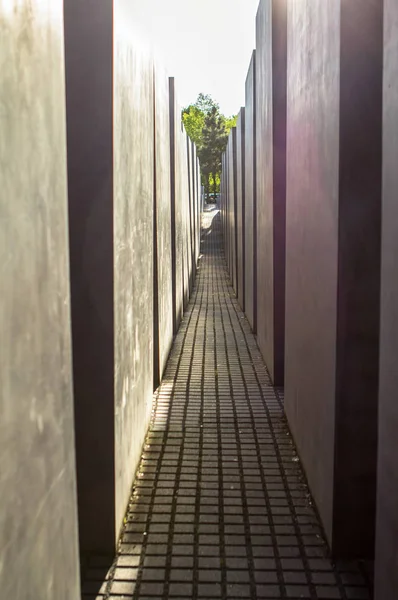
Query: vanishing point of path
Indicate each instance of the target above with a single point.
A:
(219, 507)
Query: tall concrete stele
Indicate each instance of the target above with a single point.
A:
(322, 173)
(386, 571)
(270, 140)
(100, 205)
(333, 212)
(133, 224)
(38, 513)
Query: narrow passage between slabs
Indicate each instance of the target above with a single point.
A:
(219, 507)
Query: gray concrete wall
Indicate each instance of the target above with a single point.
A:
(227, 202)
(192, 211)
(185, 185)
(89, 76)
(176, 206)
(133, 251)
(271, 57)
(38, 517)
(197, 210)
(163, 299)
(232, 207)
(332, 259)
(386, 572)
(250, 197)
(240, 206)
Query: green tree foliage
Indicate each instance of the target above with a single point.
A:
(209, 129)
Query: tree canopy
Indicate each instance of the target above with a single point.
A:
(209, 129)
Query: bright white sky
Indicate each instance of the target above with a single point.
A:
(205, 44)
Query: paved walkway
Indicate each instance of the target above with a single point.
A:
(219, 506)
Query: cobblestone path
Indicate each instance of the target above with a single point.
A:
(219, 507)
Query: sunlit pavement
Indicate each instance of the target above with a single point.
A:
(219, 507)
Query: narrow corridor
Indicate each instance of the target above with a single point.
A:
(219, 507)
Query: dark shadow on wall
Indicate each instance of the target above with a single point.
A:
(95, 572)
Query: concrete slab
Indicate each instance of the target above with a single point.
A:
(240, 207)
(386, 572)
(38, 517)
(333, 259)
(190, 202)
(232, 205)
(176, 206)
(163, 281)
(89, 74)
(133, 187)
(111, 182)
(250, 197)
(184, 200)
(271, 57)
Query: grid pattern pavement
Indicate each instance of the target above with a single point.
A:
(219, 507)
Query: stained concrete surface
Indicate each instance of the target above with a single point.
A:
(232, 208)
(386, 572)
(271, 57)
(227, 246)
(240, 206)
(176, 206)
(190, 202)
(163, 299)
(38, 517)
(250, 196)
(111, 181)
(89, 75)
(186, 240)
(133, 258)
(332, 259)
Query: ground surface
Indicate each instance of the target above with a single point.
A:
(219, 507)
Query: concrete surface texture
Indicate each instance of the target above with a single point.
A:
(89, 75)
(332, 259)
(185, 225)
(240, 206)
(250, 196)
(386, 573)
(190, 200)
(271, 57)
(227, 248)
(176, 205)
(163, 280)
(133, 189)
(38, 517)
(232, 207)
(111, 170)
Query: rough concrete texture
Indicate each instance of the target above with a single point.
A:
(225, 212)
(271, 56)
(240, 206)
(232, 207)
(163, 299)
(226, 205)
(38, 517)
(111, 183)
(250, 197)
(89, 74)
(133, 258)
(386, 571)
(176, 206)
(186, 249)
(332, 259)
(191, 218)
(196, 207)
